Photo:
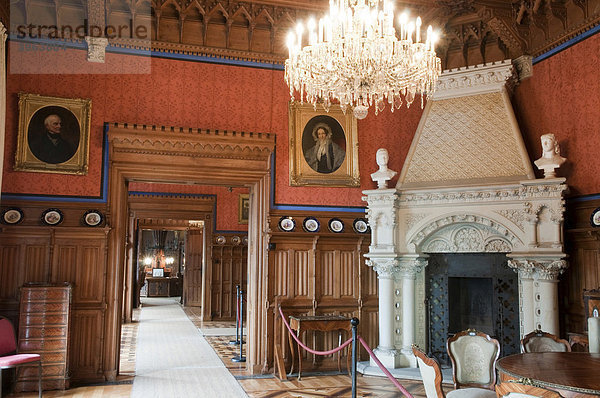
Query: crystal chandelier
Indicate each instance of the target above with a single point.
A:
(354, 57)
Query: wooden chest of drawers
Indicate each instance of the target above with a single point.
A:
(44, 325)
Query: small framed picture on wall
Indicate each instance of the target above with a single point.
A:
(323, 147)
(53, 134)
(244, 208)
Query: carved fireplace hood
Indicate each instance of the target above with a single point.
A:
(467, 186)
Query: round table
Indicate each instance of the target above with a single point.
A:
(573, 374)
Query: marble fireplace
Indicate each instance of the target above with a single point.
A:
(467, 188)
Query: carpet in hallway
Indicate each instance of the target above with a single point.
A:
(173, 359)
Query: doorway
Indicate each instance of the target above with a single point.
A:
(178, 156)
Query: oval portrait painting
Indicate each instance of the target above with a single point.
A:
(53, 134)
(324, 144)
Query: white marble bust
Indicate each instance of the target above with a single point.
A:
(383, 175)
(551, 159)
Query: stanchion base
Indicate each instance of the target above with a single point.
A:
(236, 342)
(238, 359)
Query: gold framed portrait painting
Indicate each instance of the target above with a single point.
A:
(244, 208)
(53, 135)
(323, 147)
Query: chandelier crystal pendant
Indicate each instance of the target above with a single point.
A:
(354, 57)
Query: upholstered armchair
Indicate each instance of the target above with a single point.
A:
(523, 388)
(474, 355)
(539, 341)
(432, 380)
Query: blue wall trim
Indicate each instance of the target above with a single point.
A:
(79, 199)
(567, 44)
(346, 209)
(584, 198)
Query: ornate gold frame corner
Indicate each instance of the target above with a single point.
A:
(80, 109)
(244, 198)
(301, 173)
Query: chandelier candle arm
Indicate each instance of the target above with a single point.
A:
(352, 56)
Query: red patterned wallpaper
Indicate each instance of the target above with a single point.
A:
(210, 96)
(250, 99)
(227, 202)
(563, 97)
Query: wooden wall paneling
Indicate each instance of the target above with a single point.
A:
(80, 258)
(229, 259)
(85, 345)
(193, 267)
(582, 244)
(129, 282)
(320, 273)
(24, 257)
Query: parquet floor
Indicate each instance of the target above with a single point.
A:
(312, 385)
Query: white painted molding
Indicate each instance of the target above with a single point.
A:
(473, 80)
(96, 48)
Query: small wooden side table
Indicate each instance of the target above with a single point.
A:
(323, 323)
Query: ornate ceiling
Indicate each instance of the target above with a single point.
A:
(472, 31)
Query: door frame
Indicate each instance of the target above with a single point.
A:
(188, 156)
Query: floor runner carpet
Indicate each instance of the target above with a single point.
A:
(173, 358)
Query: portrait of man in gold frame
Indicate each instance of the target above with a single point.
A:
(323, 147)
(244, 208)
(53, 134)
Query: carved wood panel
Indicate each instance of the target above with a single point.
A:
(583, 248)
(229, 269)
(61, 254)
(316, 274)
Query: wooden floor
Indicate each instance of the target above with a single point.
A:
(326, 384)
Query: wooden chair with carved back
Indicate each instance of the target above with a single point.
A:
(540, 341)
(473, 355)
(432, 380)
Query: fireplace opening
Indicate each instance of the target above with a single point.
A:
(471, 291)
(470, 304)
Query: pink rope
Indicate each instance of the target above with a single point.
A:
(387, 373)
(287, 325)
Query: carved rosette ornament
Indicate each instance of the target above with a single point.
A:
(386, 268)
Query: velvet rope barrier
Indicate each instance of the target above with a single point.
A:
(383, 368)
(287, 325)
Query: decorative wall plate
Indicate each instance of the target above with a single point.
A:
(287, 224)
(360, 225)
(595, 218)
(336, 225)
(220, 240)
(245, 240)
(235, 240)
(12, 215)
(92, 218)
(52, 217)
(311, 224)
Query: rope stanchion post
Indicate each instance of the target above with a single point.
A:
(241, 358)
(354, 323)
(237, 316)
